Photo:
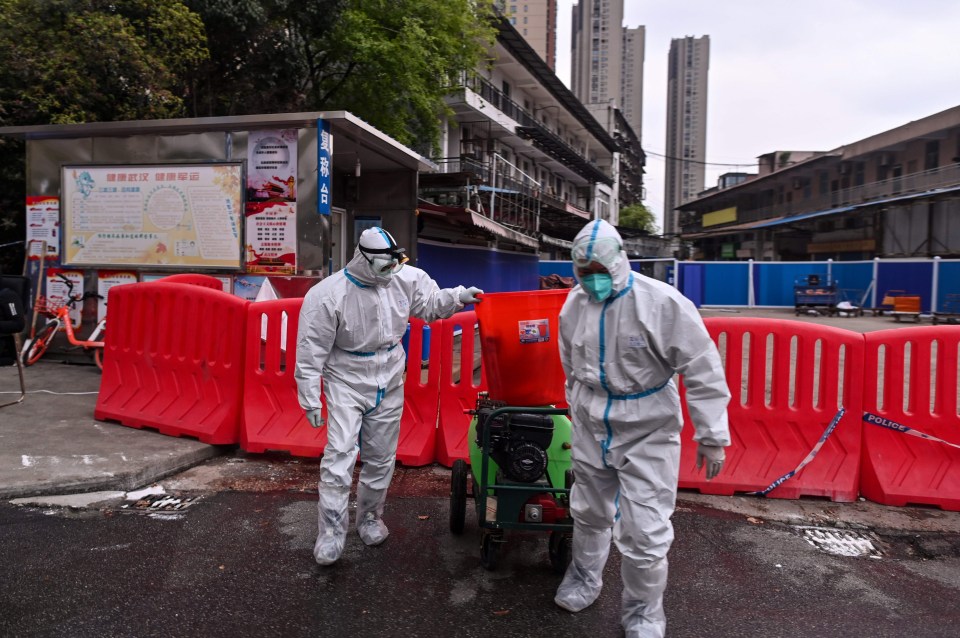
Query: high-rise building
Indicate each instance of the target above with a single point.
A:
(631, 78)
(536, 21)
(597, 51)
(686, 143)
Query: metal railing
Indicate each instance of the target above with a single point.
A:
(514, 111)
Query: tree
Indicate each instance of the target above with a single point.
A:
(401, 59)
(390, 62)
(638, 216)
(66, 61)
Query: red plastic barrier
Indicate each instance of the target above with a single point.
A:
(418, 427)
(900, 469)
(272, 416)
(520, 332)
(771, 436)
(195, 279)
(457, 396)
(174, 361)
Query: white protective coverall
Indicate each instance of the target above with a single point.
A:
(620, 356)
(350, 331)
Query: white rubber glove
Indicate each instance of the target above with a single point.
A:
(316, 421)
(712, 456)
(470, 295)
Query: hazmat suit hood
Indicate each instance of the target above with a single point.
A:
(599, 241)
(363, 267)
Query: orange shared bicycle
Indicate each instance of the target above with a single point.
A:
(59, 319)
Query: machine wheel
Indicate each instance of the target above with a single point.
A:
(39, 345)
(458, 495)
(490, 549)
(561, 550)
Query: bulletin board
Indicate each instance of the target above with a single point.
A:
(180, 215)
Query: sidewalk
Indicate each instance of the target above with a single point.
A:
(50, 444)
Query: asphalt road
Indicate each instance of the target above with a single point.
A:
(237, 562)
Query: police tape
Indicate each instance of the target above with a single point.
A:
(882, 422)
(816, 448)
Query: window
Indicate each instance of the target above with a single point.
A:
(931, 157)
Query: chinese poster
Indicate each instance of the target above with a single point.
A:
(271, 208)
(43, 225)
(161, 215)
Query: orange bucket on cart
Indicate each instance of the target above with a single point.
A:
(519, 334)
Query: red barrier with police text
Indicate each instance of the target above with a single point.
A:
(458, 390)
(272, 416)
(174, 361)
(911, 424)
(788, 380)
(421, 396)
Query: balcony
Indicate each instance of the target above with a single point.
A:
(543, 139)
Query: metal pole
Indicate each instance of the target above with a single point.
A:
(935, 285)
(493, 182)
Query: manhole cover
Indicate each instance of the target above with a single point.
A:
(843, 542)
(161, 503)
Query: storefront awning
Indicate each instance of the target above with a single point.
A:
(468, 216)
(499, 229)
(843, 209)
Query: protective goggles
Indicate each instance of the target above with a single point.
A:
(604, 251)
(385, 260)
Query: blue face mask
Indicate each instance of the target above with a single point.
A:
(599, 285)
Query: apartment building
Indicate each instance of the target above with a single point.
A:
(631, 78)
(525, 165)
(894, 194)
(686, 143)
(536, 21)
(597, 51)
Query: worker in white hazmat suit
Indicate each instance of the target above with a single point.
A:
(623, 336)
(351, 326)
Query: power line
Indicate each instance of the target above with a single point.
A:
(693, 161)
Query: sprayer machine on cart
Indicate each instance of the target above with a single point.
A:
(519, 475)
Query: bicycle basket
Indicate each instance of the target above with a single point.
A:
(48, 305)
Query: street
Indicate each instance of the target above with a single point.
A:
(227, 552)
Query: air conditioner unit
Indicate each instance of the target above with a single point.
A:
(886, 159)
(797, 183)
(844, 168)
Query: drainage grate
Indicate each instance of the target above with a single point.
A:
(161, 503)
(843, 542)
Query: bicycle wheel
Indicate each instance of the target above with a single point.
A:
(40, 344)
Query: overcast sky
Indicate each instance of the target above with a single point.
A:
(802, 75)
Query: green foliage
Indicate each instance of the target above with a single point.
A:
(400, 59)
(390, 62)
(66, 61)
(638, 216)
